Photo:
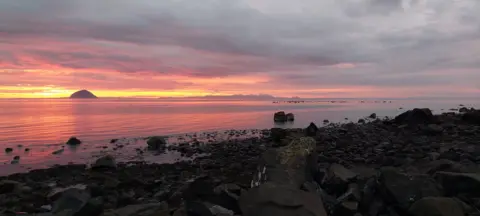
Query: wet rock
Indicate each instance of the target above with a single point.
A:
(311, 130)
(8, 150)
(58, 152)
(280, 117)
(436, 206)
(361, 121)
(27, 149)
(403, 190)
(105, 162)
(290, 165)
(73, 141)
(373, 116)
(16, 157)
(459, 183)
(278, 134)
(326, 121)
(156, 143)
(113, 140)
(338, 179)
(415, 117)
(463, 110)
(290, 117)
(271, 199)
(149, 209)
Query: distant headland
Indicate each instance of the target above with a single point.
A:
(83, 94)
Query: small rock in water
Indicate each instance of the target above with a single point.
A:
(361, 121)
(113, 140)
(373, 116)
(16, 158)
(8, 150)
(19, 146)
(27, 149)
(73, 141)
(290, 117)
(280, 117)
(326, 121)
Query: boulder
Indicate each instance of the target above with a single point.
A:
(278, 134)
(463, 110)
(73, 141)
(472, 117)
(433, 129)
(157, 143)
(105, 162)
(290, 117)
(8, 150)
(338, 178)
(459, 183)
(9, 186)
(290, 165)
(149, 209)
(415, 117)
(403, 190)
(373, 116)
(273, 199)
(280, 117)
(437, 206)
(311, 130)
(75, 202)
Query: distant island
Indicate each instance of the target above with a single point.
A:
(83, 94)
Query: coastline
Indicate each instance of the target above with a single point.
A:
(417, 145)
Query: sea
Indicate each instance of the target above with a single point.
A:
(37, 128)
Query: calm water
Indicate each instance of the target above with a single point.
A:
(45, 124)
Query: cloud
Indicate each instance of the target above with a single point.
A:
(301, 45)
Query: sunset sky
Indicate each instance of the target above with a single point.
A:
(305, 48)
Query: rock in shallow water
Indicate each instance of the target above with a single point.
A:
(73, 141)
(105, 162)
(280, 117)
(8, 150)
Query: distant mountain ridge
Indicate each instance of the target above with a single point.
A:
(83, 94)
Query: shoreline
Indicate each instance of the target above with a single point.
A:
(418, 143)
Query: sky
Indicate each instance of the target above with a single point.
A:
(285, 48)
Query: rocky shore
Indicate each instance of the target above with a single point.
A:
(415, 164)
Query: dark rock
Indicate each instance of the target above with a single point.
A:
(290, 165)
(290, 117)
(361, 121)
(16, 157)
(8, 150)
(113, 140)
(105, 162)
(77, 202)
(338, 179)
(73, 141)
(373, 116)
(415, 117)
(83, 94)
(459, 183)
(464, 110)
(346, 208)
(150, 209)
(156, 143)
(403, 190)
(27, 149)
(278, 134)
(433, 129)
(326, 121)
(445, 166)
(9, 186)
(472, 117)
(271, 199)
(280, 117)
(58, 152)
(451, 155)
(437, 206)
(311, 130)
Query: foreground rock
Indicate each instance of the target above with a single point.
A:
(437, 206)
(415, 117)
(105, 162)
